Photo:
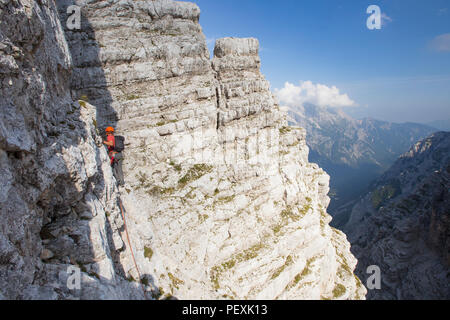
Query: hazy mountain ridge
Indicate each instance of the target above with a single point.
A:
(443, 125)
(403, 224)
(353, 152)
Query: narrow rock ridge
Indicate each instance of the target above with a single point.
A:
(221, 200)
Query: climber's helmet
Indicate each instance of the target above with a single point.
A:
(109, 130)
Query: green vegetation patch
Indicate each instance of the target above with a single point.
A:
(284, 130)
(202, 217)
(303, 211)
(226, 199)
(148, 253)
(386, 192)
(358, 282)
(323, 219)
(81, 266)
(194, 173)
(142, 177)
(245, 255)
(277, 272)
(163, 191)
(338, 291)
(175, 281)
(277, 228)
(163, 123)
(177, 167)
(294, 282)
(130, 278)
(132, 97)
(287, 213)
(306, 270)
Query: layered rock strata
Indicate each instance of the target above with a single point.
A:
(220, 193)
(220, 197)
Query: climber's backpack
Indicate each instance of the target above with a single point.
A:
(119, 144)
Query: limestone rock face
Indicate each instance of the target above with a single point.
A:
(220, 198)
(222, 201)
(57, 196)
(403, 226)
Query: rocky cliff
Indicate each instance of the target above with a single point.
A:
(403, 226)
(58, 199)
(220, 198)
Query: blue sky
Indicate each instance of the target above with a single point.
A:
(399, 73)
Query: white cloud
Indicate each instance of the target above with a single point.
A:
(441, 43)
(385, 19)
(317, 94)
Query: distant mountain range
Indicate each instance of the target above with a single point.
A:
(403, 224)
(353, 152)
(443, 125)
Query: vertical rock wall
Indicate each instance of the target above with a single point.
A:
(58, 200)
(220, 197)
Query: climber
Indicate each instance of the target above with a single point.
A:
(115, 146)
